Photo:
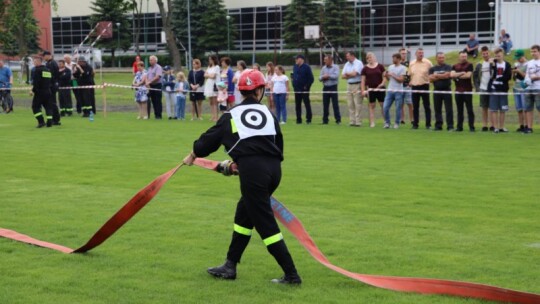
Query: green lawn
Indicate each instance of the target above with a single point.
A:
(390, 202)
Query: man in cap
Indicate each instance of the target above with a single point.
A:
(302, 79)
(41, 91)
(84, 74)
(52, 66)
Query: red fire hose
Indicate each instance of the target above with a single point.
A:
(419, 285)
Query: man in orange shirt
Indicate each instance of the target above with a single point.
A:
(419, 73)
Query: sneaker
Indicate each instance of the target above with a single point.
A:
(527, 131)
(40, 125)
(396, 126)
(415, 127)
(282, 123)
(436, 129)
(429, 128)
(520, 129)
(492, 129)
(495, 130)
(372, 125)
(338, 123)
(146, 117)
(472, 130)
(386, 126)
(402, 122)
(450, 130)
(459, 130)
(139, 117)
(485, 129)
(503, 130)
(292, 279)
(226, 271)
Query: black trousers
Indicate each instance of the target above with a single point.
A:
(87, 101)
(333, 97)
(78, 99)
(259, 178)
(66, 105)
(155, 100)
(438, 100)
(53, 105)
(42, 101)
(416, 104)
(298, 99)
(464, 99)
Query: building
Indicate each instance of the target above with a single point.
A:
(386, 25)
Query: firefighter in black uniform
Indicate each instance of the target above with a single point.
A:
(51, 64)
(84, 74)
(41, 89)
(252, 137)
(64, 95)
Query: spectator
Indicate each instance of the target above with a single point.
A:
(167, 86)
(212, 76)
(6, 78)
(462, 73)
(518, 72)
(372, 78)
(240, 67)
(330, 78)
(141, 91)
(419, 71)
(352, 73)
(302, 80)
(222, 96)
(256, 67)
(481, 76)
(505, 42)
(153, 80)
(84, 74)
(181, 87)
(407, 95)
(196, 94)
(268, 78)
(501, 73)
(472, 46)
(227, 76)
(395, 75)
(280, 89)
(440, 76)
(70, 65)
(64, 94)
(135, 64)
(532, 79)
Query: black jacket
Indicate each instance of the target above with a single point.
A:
(64, 78)
(504, 78)
(222, 134)
(55, 71)
(86, 77)
(41, 81)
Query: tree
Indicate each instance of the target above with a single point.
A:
(114, 11)
(137, 21)
(337, 19)
(214, 22)
(166, 16)
(19, 29)
(180, 24)
(297, 15)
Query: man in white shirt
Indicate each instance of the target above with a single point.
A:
(532, 79)
(482, 75)
(395, 75)
(351, 72)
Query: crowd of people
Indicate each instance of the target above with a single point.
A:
(402, 84)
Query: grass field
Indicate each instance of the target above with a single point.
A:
(390, 202)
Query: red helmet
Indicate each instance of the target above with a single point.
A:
(250, 80)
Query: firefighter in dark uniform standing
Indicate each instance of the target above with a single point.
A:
(252, 137)
(84, 74)
(51, 64)
(41, 89)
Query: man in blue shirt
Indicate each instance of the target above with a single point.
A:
(330, 77)
(302, 79)
(472, 46)
(6, 80)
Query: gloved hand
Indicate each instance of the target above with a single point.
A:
(227, 168)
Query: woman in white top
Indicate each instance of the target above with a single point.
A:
(280, 90)
(212, 77)
(269, 74)
(240, 67)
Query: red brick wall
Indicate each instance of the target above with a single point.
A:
(43, 14)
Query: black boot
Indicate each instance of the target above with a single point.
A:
(292, 278)
(49, 123)
(226, 271)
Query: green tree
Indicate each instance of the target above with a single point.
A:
(214, 24)
(297, 15)
(338, 18)
(172, 44)
(180, 24)
(115, 11)
(18, 28)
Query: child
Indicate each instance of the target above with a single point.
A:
(223, 95)
(181, 87)
(140, 94)
(280, 90)
(168, 90)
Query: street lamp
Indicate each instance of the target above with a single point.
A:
(491, 6)
(372, 11)
(118, 44)
(228, 36)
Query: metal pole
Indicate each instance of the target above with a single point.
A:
(437, 24)
(145, 33)
(372, 11)
(190, 59)
(228, 36)
(359, 30)
(118, 43)
(254, 32)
